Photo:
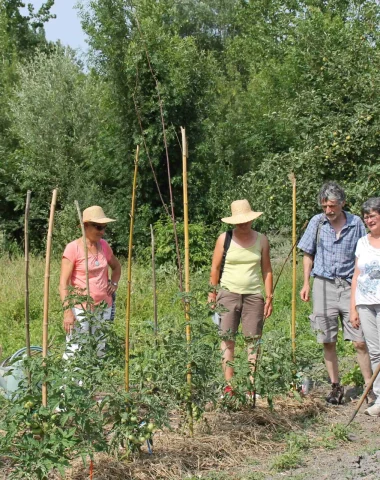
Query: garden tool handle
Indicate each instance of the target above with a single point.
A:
(365, 393)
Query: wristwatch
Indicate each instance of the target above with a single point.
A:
(113, 283)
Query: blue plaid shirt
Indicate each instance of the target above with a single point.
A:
(332, 258)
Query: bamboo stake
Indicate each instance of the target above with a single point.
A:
(187, 266)
(154, 284)
(45, 325)
(292, 178)
(128, 309)
(26, 236)
(365, 393)
(85, 252)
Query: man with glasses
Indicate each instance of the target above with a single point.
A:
(329, 244)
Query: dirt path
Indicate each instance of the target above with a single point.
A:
(357, 457)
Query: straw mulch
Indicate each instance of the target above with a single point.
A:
(222, 441)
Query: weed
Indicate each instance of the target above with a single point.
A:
(285, 461)
(353, 377)
(326, 441)
(298, 441)
(340, 432)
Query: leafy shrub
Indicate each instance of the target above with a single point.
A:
(201, 243)
(353, 377)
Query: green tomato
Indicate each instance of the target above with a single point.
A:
(151, 427)
(28, 405)
(133, 419)
(141, 439)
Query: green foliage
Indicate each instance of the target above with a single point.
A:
(201, 243)
(262, 89)
(39, 439)
(158, 368)
(285, 461)
(353, 377)
(340, 432)
(296, 444)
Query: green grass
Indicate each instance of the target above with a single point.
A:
(292, 458)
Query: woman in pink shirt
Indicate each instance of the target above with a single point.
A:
(73, 271)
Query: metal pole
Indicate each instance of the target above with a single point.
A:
(128, 309)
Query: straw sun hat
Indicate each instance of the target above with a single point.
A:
(96, 214)
(241, 213)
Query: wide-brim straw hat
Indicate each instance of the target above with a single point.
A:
(96, 214)
(241, 213)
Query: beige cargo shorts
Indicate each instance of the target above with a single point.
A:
(331, 304)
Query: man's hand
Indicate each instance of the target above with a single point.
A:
(68, 320)
(305, 293)
(354, 319)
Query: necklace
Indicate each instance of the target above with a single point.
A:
(96, 263)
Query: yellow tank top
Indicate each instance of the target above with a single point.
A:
(242, 269)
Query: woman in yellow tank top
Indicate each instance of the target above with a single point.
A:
(246, 261)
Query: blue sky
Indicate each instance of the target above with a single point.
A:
(66, 27)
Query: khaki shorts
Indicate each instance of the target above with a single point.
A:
(331, 302)
(249, 308)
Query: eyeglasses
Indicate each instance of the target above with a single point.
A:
(98, 226)
(366, 218)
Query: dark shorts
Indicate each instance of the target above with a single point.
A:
(331, 303)
(247, 308)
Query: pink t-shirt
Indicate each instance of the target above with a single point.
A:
(97, 269)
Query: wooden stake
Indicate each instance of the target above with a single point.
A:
(26, 240)
(91, 469)
(26, 237)
(45, 325)
(154, 283)
(85, 253)
(128, 309)
(187, 265)
(292, 178)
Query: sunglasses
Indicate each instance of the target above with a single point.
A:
(98, 226)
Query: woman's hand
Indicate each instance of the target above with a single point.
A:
(354, 318)
(268, 307)
(111, 288)
(211, 299)
(68, 320)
